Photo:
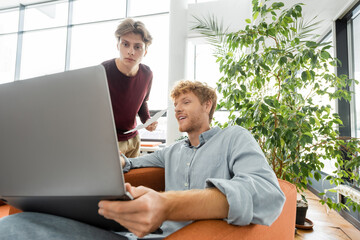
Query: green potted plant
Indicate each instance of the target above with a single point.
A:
(274, 78)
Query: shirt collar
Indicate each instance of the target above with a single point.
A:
(204, 137)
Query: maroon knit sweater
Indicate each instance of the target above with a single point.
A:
(129, 96)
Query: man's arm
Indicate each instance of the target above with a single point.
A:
(253, 183)
(155, 159)
(150, 208)
(143, 112)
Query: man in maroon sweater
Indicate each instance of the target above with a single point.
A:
(130, 84)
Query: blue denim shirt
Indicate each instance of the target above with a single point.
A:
(230, 160)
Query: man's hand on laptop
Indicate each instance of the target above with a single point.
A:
(141, 216)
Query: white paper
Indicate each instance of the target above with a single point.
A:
(148, 122)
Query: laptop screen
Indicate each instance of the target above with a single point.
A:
(57, 136)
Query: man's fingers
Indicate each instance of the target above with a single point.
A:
(137, 192)
(137, 224)
(114, 208)
(134, 221)
(128, 187)
(140, 215)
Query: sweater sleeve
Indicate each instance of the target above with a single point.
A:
(253, 193)
(144, 109)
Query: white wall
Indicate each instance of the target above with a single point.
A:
(232, 12)
(177, 60)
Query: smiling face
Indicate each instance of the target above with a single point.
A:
(132, 50)
(192, 116)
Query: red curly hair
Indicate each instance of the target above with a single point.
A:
(201, 90)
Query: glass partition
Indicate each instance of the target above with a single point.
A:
(9, 21)
(7, 57)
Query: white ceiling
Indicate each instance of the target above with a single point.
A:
(15, 3)
(326, 10)
(322, 7)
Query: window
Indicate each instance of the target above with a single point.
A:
(94, 10)
(8, 43)
(200, 1)
(7, 57)
(146, 7)
(355, 32)
(91, 44)
(43, 52)
(206, 67)
(47, 15)
(157, 58)
(329, 166)
(202, 66)
(354, 48)
(9, 21)
(348, 39)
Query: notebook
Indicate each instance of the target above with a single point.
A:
(58, 146)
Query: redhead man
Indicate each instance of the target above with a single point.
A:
(214, 174)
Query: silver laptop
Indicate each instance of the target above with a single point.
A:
(58, 146)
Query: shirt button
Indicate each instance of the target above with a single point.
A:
(188, 164)
(186, 184)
